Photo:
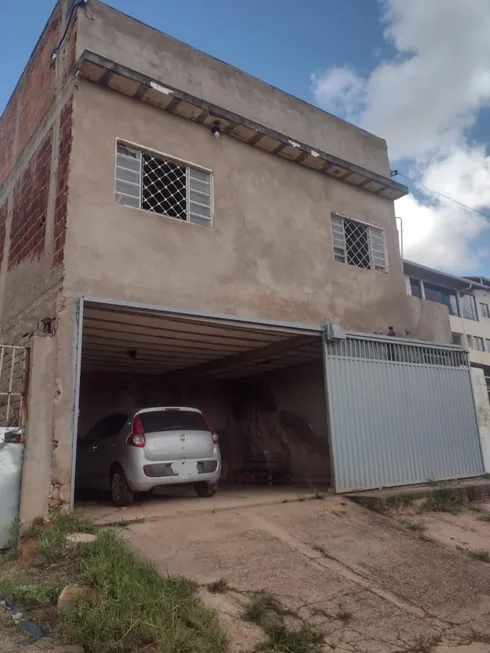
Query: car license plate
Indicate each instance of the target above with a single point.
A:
(185, 468)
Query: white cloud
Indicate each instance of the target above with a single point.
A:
(423, 102)
(340, 91)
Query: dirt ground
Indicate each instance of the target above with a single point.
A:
(366, 580)
(466, 530)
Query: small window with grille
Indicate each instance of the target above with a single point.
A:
(358, 244)
(156, 183)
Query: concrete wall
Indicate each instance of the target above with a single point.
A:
(36, 478)
(480, 391)
(107, 32)
(270, 252)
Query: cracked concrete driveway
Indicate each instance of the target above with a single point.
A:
(369, 584)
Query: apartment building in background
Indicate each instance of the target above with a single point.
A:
(467, 300)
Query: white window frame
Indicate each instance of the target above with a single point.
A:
(481, 341)
(167, 157)
(484, 310)
(338, 242)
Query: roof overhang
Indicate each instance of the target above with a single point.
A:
(127, 81)
(440, 278)
(129, 338)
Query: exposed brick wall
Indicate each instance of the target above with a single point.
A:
(7, 134)
(30, 204)
(3, 224)
(65, 141)
(38, 85)
(35, 93)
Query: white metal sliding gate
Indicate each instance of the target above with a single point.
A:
(401, 411)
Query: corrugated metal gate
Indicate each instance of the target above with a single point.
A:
(401, 412)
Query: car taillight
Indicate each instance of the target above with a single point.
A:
(137, 437)
(214, 436)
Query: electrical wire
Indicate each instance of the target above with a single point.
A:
(435, 192)
(80, 3)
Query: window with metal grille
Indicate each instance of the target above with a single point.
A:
(358, 244)
(163, 185)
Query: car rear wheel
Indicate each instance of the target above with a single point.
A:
(205, 489)
(121, 493)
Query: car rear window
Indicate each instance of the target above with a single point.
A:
(172, 420)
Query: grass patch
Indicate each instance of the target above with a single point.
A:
(220, 586)
(135, 606)
(444, 500)
(486, 476)
(478, 554)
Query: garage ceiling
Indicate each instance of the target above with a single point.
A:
(133, 340)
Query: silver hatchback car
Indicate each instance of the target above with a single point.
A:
(149, 448)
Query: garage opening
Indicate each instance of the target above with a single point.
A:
(259, 384)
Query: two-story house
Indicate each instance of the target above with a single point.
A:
(175, 230)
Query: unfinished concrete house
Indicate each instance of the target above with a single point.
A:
(175, 231)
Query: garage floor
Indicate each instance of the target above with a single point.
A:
(176, 501)
(370, 584)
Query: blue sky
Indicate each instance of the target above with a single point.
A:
(387, 65)
(272, 39)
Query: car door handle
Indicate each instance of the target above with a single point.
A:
(95, 448)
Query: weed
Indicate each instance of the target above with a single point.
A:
(426, 538)
(482, 638)
(486, 476)
(343, 615)
(399, 500)
(125, 523)
(425, 644)
(485, 517)
(219, 586)
(35, 529)
(263, 608)
(431, 483)
(478, 554)
(320, 549)
(444, 500)
(417, 526)
(266, 611)
(304, 640)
